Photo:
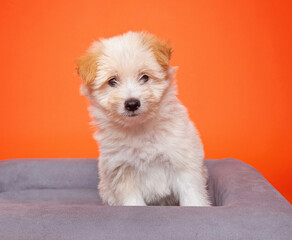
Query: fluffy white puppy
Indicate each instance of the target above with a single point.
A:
(150, 151)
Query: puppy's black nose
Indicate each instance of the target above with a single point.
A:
(132, 104)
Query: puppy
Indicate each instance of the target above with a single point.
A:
(150, 151)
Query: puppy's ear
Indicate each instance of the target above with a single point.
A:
(161, 49)
(87, 64)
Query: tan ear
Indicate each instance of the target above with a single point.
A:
(87, 66)
(161, 49)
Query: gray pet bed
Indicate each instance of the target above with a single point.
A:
(57, 199)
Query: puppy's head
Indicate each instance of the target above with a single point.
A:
(126, 76)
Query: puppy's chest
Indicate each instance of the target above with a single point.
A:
(144, 151)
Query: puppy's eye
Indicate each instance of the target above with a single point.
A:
(112, 82)
(144, 78)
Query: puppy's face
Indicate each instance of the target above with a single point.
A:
(126, 76)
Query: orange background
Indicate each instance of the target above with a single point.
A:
(234, 75)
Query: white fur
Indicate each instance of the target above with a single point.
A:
(155, 158)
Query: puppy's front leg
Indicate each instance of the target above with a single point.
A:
(126, 189)
(191, 190)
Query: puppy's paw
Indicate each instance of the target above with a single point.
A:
(134, 200)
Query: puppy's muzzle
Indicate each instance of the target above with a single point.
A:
(132, 104)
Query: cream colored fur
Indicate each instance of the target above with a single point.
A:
(156, 157)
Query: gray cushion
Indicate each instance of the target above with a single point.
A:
(57, 199)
